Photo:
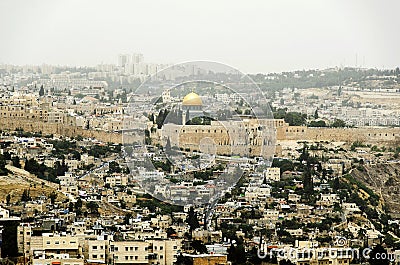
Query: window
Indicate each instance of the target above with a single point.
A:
(136, 248)
(94, 256)
(161, 257)
(94, 247)
(126, 257)
(161, 247)
(175, 247)
(126, 248)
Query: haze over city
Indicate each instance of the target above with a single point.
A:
(199, 132)
(260, 36)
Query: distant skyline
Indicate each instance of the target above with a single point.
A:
(252, 36)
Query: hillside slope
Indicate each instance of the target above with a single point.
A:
(384, 180)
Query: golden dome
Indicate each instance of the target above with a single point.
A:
(192, 99)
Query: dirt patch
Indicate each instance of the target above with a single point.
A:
(384, 180)
(15, 186)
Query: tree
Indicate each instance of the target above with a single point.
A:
(60, 168)
(336, 184)
(127, 218)
(71, 207)
(16, 162)
(293, 118)
(183, 260)
(76, 155)
(192, 219)
(338, 123)
(25, 196)
(93, 207)
(78, 207)
(8, 199)
(113, 167)
(161, 118)
(53, 197)
(317, 124)
(41, 91)
(316, 114)
(170, 231)
(199, 247)
(3, 162)
(31, 166)
(378, 256)
(237, 254)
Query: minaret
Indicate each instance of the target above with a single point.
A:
(183, 117)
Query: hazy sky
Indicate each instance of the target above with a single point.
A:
(253, 36)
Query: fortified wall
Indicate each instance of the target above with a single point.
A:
(31, 125)
(373, 135)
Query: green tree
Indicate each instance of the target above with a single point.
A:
(170, 231)
(71, 207)
(41, 91)
(376, 255)
(199, 247)
(16, 162)
(192, 220)
(78, 207)
(338, 123)
(237, 254)
(93, 207)
(53, 197)
(8, 199)
(25, 196)
(113, 167)
(320, 123)
(127, 218)
(183, 260)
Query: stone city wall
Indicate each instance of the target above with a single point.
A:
(45, 128)
(188, 135)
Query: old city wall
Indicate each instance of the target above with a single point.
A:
(45, 128)
(366, 134)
